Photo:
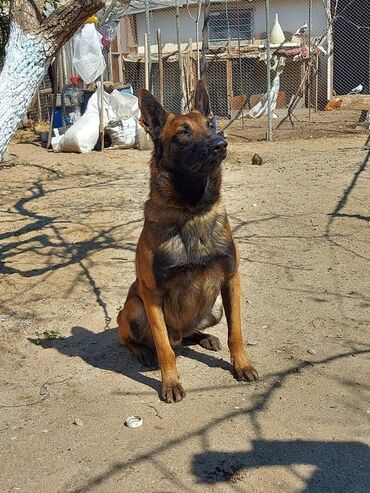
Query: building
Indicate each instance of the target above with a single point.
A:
(237, 37)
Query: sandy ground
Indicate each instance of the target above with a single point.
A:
(69, 225)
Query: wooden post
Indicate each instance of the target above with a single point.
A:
(181, 66)
(146, 61)
(229, 79)
(317, 83)
(268, 61)
(240, 60)
(310, 61)
(205, 40)
(119, 50)
(54, 69)
(39, 109)
(190, 69)
(148, 43)
(330, 66)
(160, 65)
(101, 113)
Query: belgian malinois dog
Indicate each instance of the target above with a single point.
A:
(186, 258)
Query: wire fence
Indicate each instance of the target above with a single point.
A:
(319, 49)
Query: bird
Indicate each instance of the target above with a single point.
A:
(357, 90)
(322, 49)
(257, 160)
(301, 30)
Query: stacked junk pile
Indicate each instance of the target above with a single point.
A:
(89, 113)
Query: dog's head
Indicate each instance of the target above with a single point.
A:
(183, 142)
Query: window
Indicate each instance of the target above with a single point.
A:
(224, 23)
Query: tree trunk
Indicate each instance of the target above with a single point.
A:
(23, 71)
(31, 46)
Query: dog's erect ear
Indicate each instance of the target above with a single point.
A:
(152, 113)
(201, 100)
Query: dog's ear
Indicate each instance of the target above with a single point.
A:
(152, 113)
(201, 99)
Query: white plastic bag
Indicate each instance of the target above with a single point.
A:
(122, 133)
(88, 59)
(84, 134)
(123, 129)
(260, 108)
(121, 113)
(124, 105)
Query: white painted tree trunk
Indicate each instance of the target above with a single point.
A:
(25, 65)
(33, 41)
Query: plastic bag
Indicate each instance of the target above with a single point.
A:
(261, 108)
(124, 105)
(121, 113)
(123, 129)
(84, 134)
(122, 133)
(88, 59)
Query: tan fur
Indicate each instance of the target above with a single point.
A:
(186, 256)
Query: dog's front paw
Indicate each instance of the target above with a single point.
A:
(246, 373)
(172, 393)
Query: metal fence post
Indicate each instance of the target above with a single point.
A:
(268, 61)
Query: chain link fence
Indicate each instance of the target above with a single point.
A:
(318, 49)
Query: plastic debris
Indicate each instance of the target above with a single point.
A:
(134, 422)
(312, 350)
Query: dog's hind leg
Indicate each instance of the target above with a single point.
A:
(208, 341)
(134, 332)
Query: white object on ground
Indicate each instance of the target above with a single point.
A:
(88, 59)
(122, 133)
(134, 422)
(123, 130)
(261, 108)
(121, 113)
(84, 134)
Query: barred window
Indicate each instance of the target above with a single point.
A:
(223, 24)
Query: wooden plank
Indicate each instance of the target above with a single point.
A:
(229, 80)
(160, 65)
(101, 113)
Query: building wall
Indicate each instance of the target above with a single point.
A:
(292, 14)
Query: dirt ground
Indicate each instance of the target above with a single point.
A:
(69, 225)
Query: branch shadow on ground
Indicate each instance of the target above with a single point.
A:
(338, 466)
(47, 242)
(102, 350)
(347, 192)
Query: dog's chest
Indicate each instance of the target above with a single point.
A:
(195, 248)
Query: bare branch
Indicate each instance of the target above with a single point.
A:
(27, 14)
(60, 26)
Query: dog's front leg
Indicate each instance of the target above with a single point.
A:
(230, 292)
(172, 390)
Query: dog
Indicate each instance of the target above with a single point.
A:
(186, 258)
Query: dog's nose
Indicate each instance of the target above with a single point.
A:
(218, 144)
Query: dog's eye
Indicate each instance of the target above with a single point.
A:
(183, 131)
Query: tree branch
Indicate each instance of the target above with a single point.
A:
(27, 14)
(60, 26)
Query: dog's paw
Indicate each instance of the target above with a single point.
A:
(148, 358)
(212, 343)
(172, 393)
(246, 374)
